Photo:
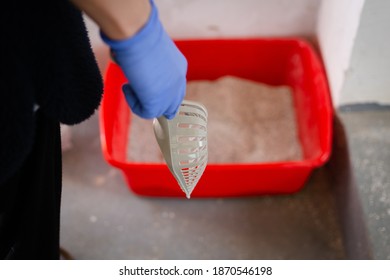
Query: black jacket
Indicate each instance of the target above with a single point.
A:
(45, 59)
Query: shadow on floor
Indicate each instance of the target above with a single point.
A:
(346, 195)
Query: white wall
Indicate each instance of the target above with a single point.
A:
(227, 18)
(234, 18)
(354, 41)
(368, 75)
(338, 22)
(238, 18)
(351, 35)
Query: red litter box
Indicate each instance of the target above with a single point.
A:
(291, 62)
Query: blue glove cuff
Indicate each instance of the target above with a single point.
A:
(145, 39)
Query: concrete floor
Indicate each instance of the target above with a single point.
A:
(361, 178)
(103, 219)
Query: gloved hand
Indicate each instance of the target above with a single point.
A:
(155, 68)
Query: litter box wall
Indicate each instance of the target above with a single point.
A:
(274, 62)
(236, 19)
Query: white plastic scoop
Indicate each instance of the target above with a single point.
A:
(183, 143)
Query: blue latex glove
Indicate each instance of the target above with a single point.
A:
(154, 67)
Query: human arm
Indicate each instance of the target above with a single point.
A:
(155, 68)
(118, 19)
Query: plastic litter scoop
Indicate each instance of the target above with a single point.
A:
(183, 143)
